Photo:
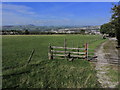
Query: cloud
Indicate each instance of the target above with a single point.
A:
(17, 14)
(13, 14)
(20, 14)
(10, 18)
(18, 9)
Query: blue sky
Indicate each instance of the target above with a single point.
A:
(56, 13)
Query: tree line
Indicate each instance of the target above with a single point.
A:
(27, 32)
(113, 27)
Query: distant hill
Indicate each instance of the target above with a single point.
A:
(32, 27)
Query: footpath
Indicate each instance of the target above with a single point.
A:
(107, 57)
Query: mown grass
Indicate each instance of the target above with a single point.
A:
(44, 73)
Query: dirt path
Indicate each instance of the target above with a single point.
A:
(107, 55)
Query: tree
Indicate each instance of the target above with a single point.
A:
(104, 29)
(107, 28)
(82, 31)
(116, 21)
(26, 31)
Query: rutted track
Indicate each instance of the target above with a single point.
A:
(106, 57)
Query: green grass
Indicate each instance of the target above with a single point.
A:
(113, 73)
(44, 73)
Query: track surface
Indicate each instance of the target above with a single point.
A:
(107, 56)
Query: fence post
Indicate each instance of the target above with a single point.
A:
(86, 51)
(65, 47)
(78, 50)
(30, 57)
(50, 52)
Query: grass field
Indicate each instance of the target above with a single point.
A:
(44, 73)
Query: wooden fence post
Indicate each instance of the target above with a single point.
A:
(65, 47)
(30, 57)
(50, 52)
(86, 51)
(78, 50)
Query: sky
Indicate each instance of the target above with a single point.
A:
(56, 13)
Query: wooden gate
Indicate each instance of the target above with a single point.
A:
(55, 52)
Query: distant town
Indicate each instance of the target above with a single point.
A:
(32, 29)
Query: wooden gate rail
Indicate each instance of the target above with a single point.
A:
(54, 51)
(56, 47)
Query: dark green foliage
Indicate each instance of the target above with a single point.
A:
(82, 31)
(107, 28)
(26, 32)
(113, 27)
(116, 21)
